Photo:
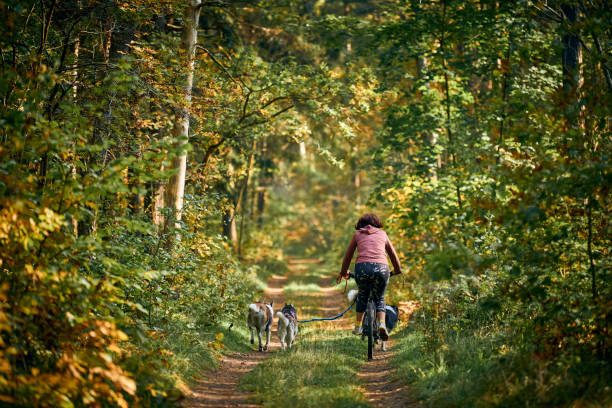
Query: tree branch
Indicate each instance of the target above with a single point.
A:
(212, 148)
(269, 119)
(265, 105)
(231, 135)
(238, 82)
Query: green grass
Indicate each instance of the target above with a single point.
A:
(297, 288)
(479, 369)
(319, 371)
(194, 351)
(458, 374)
(321, 368)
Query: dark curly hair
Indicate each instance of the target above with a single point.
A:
(368, 219)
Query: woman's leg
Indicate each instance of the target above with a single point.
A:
(381, 278)
(362, 277)
(358, 318)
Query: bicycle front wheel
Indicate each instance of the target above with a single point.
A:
(370, 316)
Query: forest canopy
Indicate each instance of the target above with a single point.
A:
(159, 159)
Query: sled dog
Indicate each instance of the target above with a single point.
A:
(287, 325)
(260, 319)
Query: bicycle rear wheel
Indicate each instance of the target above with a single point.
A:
(370, 316)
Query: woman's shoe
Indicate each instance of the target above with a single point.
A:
(357, 330)
(382, 331)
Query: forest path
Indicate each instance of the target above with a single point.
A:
(379, 386)
(219, 388)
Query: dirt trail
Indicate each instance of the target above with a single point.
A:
(380, 388)
(335, 302)
(219, 388)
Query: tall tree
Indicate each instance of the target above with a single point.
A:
(175, 190)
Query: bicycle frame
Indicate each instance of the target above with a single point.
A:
(370, 320)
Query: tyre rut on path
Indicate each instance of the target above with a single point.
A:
(219, 388)
(380, 388)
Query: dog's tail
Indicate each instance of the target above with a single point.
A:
(352, 295)
(253, 308)
(283, 318)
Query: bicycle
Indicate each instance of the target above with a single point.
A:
(370, 324)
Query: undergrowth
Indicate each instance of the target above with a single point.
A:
(457, 352)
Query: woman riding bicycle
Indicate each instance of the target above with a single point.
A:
(371, 268)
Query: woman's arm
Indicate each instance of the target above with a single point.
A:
(348, 256)
(397, 269)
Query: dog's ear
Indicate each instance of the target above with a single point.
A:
(271, 302)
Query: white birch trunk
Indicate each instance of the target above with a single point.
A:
(176, 186)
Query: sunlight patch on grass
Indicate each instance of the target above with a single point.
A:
(320, 370)
(296, 287)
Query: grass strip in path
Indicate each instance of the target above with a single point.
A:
(321, 369)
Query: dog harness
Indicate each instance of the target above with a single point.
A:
(290, 314)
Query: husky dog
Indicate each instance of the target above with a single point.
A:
(391, 319)
(287, 325)
(260, 318)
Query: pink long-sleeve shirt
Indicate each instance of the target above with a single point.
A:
(371, 244)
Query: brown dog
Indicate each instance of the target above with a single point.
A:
(260, 318)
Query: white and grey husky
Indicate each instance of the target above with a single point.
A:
(260, 318)
(287, 325)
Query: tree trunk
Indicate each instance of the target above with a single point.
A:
(229, 226)
(451, 144)
(158, 203)
(261, 204)
(241, 198)
(505, 67)
(176, 185)
(572, 58)
(75, 89)
(263, 182)
(137, 199)
(422, 64)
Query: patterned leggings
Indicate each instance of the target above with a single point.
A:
(371, 278)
